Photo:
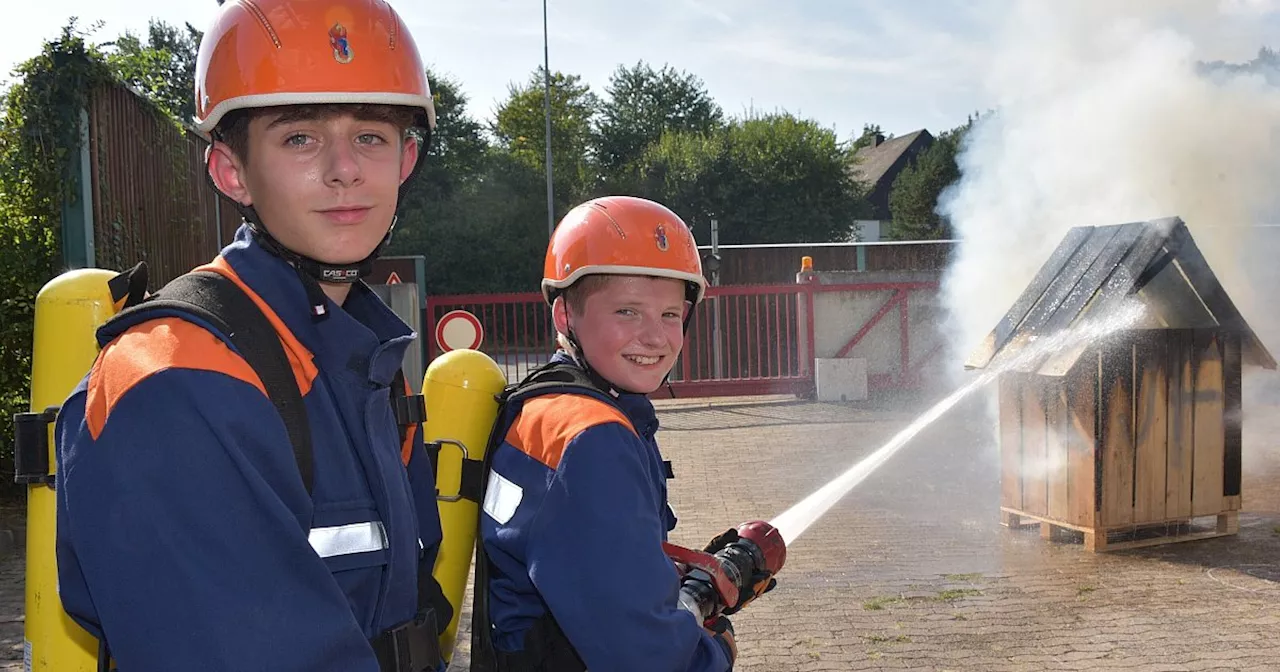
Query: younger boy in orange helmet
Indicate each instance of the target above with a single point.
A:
(196, 531)
(572, 574)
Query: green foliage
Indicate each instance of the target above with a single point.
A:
(472, 207)
(520, 130)
(641, 106)
(768, 179)
(1266, 65)
(39, 135)
(869, 132)
(913, 199)
(163, 68)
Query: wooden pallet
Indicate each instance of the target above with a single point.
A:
(1165, 532)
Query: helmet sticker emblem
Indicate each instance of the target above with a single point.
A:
(341, 47)
(661, 235)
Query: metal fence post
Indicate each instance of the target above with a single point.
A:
(77, 208)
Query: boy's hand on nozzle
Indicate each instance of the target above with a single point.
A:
(760, 584)
(722, 629)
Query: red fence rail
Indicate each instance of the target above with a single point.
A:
(518, 332)
(909, 366)
(754, 339)
(741, 340)
(747, 340)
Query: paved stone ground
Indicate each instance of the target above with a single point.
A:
(912, 570)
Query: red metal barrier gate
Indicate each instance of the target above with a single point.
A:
(742, 340)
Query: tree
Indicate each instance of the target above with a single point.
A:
(913, 199)
(869, 132)
(455, 155)
(643, 104)
(163, 68)
(520, 131)
(39, 130)
(473, 211)
(1266, 64)
(768, 179)
(680, 171)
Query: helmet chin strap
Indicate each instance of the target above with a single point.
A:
(580, 356)
(312, 272)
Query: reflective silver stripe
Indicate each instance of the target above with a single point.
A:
(501, 498)
(348, 539)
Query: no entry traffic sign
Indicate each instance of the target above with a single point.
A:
(458, 330)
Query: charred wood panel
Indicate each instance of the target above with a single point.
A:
(1233, 409)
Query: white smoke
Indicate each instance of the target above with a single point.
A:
(1102, 117)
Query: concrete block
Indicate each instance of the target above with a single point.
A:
(841, 379)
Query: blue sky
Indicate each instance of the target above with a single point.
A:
(904, 65)
(841, 63)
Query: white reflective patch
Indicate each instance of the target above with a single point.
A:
(348, 539)
(501, 498)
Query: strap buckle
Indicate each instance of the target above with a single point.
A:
(470, 479)
(409, 409)
(31, 447)
(411, 647)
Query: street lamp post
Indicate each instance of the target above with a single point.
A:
(546, 84)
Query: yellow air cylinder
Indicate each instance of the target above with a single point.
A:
(69, 309)
(461, 389)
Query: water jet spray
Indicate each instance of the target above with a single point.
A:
(796, 520)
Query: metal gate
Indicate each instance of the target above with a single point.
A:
(742, 340)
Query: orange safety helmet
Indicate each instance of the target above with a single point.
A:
(622, 235)
(261, 53)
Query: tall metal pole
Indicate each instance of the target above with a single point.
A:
(717, 353)
(546, 83)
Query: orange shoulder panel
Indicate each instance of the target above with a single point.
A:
(406, 451)
(300, 358)
(152, 347)
(547, 424)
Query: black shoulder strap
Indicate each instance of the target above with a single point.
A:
(409, 409)
(218, 301)
(555, 377)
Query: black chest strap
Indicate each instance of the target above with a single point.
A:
(409, 409)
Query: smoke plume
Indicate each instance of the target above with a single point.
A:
(1102, 113)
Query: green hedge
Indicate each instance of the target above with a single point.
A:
(39, 133)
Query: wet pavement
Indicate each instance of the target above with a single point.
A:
(912, 570)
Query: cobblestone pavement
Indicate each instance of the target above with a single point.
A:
(912, 570)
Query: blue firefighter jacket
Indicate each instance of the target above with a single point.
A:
(185, 533)
(574, 516)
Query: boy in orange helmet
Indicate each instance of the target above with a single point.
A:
(207, 520)
(571, 572)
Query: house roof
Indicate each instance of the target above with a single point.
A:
(1096, 269)
(873, 162)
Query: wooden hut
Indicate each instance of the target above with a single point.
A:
(1132, 437)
